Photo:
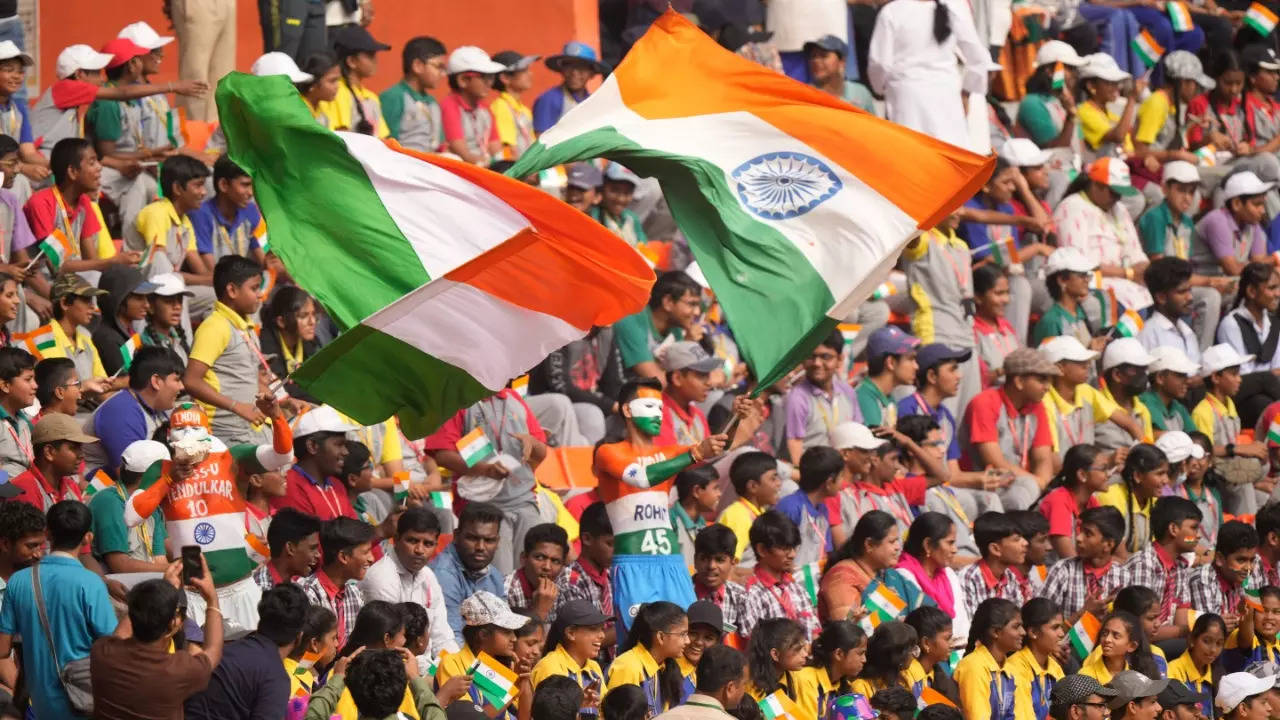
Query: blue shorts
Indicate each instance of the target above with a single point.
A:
(640, 579)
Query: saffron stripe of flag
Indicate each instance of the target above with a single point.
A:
(130, 346)
(1273, 432)
(1130, 324)
(99, 482)
(1252, 595)
(929, 696)
(401, 487)
(496, 682)
(521, 385)
(1147, 48)
(1005, 251)
(870, 622)
(474, 447)
(56, 247)
(1208, 155)
(308, 661)
(259, 551)
(810, 575)
(1083, 634)
(1059, 76)
(1179, 16)
(1260, 18)
(38, 341)
(778, 706)
(885, 601)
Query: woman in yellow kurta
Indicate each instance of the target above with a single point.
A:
(986, 688)
(1033, 668)
(839, 655)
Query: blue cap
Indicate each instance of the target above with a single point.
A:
(830, 43)
(935, 354)
(577, 51)
(890, 340)
(584, 175)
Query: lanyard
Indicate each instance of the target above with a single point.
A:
(949, 497)
(831, 419)
(143, 533)
(962, 279)
(62, 217)
(497, 424)
(28, 451)
(1023, 447)
(754, 513)
(237, 245)
(1072, 438)
(1218, 416)
(292, 358)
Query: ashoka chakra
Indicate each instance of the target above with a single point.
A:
(782, 185)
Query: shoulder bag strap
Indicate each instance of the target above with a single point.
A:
(1268, 349)
(44, 618)
(1248, 336)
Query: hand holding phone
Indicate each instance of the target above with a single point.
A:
(192, 566)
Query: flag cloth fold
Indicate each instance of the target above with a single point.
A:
(795, 203)
(448, 279)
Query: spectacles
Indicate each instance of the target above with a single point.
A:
(71, 383)
(934, 443)
(1099, 468)
(1101, 707)
(682, 633)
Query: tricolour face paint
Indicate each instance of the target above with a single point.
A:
(646, 411)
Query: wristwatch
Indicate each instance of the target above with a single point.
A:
(1231, 449)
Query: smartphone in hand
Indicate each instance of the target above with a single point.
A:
(192, 567)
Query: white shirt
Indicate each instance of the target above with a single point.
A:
(1160, 330)
(796, 22)
(388, 580)
(1229, 333)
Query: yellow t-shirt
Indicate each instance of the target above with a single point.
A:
(1055, 407)
(156, 220)
(738, 518)
(452, 665)
(982, 683)
(1152, 115)
(64, 347)
(1032, 683)
(1095, 122)
(300, 683)
(211, 340)
(632, 667)
(1140, 410)
(1205, 417)
(814, 690)
(916, 678)
(560, 662)
(1094, 667)
(345, 106)
(504, 108)
(346, 708)
(564, 518)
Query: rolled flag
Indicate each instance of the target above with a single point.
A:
(755, 165)
(809, 576)
(1260, 18)
(1059, 76)
(99, 482)
(452, 257)
(308, 661)
(38, 341)
(1147, 48)
(442, 500)
(56, 247)
(1252, 596)
(1208, 155)
(849, 331)
(401, 487)
(130, 346)
(884, 601)
(1179, 16)
(495, 681)
(474, 447)
(1110, 306)
(778, 705)
(1273, 432)
(1129, 324)
(1083, 634)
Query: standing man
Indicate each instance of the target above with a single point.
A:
(206, 47)
(293, 27)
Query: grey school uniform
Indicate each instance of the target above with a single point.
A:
(15, 443)
(1024, 490)
(237, 372)
(129, 194)
(169, 259)
(155, 122)
(418, 124)
(940, 281)
(52, 123)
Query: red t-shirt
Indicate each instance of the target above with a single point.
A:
(327, 501)
(447, 437)
(692, 416)
(1059, 508)
(68, 93)
(42, 212)
(988, 416)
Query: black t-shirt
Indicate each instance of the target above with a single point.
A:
(8, 8)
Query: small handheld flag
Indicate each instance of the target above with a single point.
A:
(1005, 251)
(308, 661)
(1252, 595)
(1147, 48)
(1059, 76)
(99, 482)
(38, 341)
(1260, 18)
(495, 681)
(809, 577)
(885, 602)
(1179, 16)
(779, 706)
(521, 385)
(442, 500)
(402, 483)
(474, 447)
(1129, 324)
(884, 290)
(1208, 155)
(1083, 635)
(56, 247)
(130, 346)
(1273, 432)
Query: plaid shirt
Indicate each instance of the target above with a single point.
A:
(517, 597)
(1264, 573)
(1209, 593)
(1148, 568)
(576, 582)
(731, 598)
(1069, 583)
(979, 583)
(768, 597)
(345, 601)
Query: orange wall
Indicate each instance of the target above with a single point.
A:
(494, 25)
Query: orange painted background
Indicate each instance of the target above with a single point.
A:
(527, 26)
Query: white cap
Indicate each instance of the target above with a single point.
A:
(1056, 51)
(695, 273)
(79, 57)
(1220, 357)
(470, 58)
(1170, 358)
(1244, 183)
(8, 51)
(1180, 171)
(1237, 687)
(1021, 152)
(854, 435)
(277, 63)
(321, 419)
(143, 35)
(1068, 259)
(142, 454)
(1178, 446)
(1125, 351)
(1103, 67)
(170, 284)
(1066, 347)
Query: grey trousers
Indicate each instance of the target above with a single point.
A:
(130, 195)
(1206, 311)
(559, 418)
(511, 535)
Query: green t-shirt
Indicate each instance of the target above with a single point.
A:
(637, 337)
(1057, 321)
(105, 120)
(876, 407)
(1174, 417)
(111, 535)
(392, 101)
(1154, 227)
(1035, 117)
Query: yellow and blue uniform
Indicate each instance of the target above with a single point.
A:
(1033, 683)
(560, 662)
(451, 666)
(916, 678)
(688, 678)
(986, 689)
(1236, 659)
(815, 691)
(637, 667)
(1200, 682)
(301, 683)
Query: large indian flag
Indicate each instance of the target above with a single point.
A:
(795, 203)
(448, 279)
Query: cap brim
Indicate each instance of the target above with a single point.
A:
(95, 64)
(8, 491)
(26, 59)
(144, 288)
(873, 445)
(301, 77)
(162, 293)
(524, 63)
(597, 618)
(704, 366)
(1123, 191)
(1087, 356)
(1119, 76)
(555, 63)
(510, 620)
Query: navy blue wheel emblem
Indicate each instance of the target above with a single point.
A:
(205, 533)
(782, 185)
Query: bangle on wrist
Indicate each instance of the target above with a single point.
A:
(213, 608)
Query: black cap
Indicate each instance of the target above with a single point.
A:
(705, 612)
(580, 612)
(514, 61)
(354, 39)
(1075, 689)
(464, 710)
(933, 354)
(1175, 693)
(1259, 56)
(829, 42)
(735, 35)
(8, 490)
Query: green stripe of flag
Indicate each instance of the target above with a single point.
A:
(760, 277)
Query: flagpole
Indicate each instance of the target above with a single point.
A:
(36, 259)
